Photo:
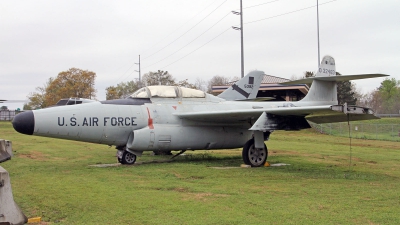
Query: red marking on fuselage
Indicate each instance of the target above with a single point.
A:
(174, 107)
(150, 120)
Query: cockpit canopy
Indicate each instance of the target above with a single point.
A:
(73, 101)
(168, 92)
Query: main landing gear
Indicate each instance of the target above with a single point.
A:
(252, 156)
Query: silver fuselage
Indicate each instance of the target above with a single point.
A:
(113, 124)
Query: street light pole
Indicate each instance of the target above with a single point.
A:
(241, 36)
(319, 61)
(140, 79)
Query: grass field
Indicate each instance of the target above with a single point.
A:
(53, 179)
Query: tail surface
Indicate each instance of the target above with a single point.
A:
(324, 91)
(245, 88)
(324, 88)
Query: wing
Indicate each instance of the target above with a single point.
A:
(317, 114)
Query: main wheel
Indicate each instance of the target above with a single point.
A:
(128, 158)
(253, 156)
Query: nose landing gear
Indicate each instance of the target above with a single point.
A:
(125, 157)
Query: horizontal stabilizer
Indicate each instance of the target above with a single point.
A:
(334, 78)
(343, 113)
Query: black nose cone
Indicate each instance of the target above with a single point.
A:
(24, 122)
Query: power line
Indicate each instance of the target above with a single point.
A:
(197, 48)
(260, 4)
(179, 27)
(200, 34)
(130, 74)
(247, 23)
(283, 14)
(190, 41)
(175, 39)
(123, 75)
(186, 31)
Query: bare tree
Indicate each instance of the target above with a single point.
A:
(200, 84)
(217, 80)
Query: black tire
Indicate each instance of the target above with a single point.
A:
(128, 158)
(252, 156)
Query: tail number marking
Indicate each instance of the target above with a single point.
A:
(322, 70)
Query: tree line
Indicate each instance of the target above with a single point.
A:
(71, 83)
(383, 100)
(80, 83)
(160, 77)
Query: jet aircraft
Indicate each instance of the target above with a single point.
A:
(165, 118)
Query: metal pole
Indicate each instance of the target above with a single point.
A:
(393, 132)
(140, 78)
(241, 38)
(319, 61)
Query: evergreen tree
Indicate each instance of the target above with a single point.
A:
(345, 92)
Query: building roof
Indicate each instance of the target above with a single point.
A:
(269, 79)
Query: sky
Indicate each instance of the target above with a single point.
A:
(192, 39)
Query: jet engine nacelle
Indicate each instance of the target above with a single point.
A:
(172, 137)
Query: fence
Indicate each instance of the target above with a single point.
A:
(7, 114)
(388, 132)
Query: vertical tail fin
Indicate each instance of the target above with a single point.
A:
(324, 90)
(245, 88)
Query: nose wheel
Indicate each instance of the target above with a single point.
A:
(252, 156)
(125, 157)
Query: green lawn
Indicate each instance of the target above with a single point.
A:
(53, 179)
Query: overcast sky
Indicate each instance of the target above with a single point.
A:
(192, 39)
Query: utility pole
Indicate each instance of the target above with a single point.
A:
(241, 36)
(319, 61)
(140, 79)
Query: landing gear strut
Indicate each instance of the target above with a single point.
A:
(252, 156)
